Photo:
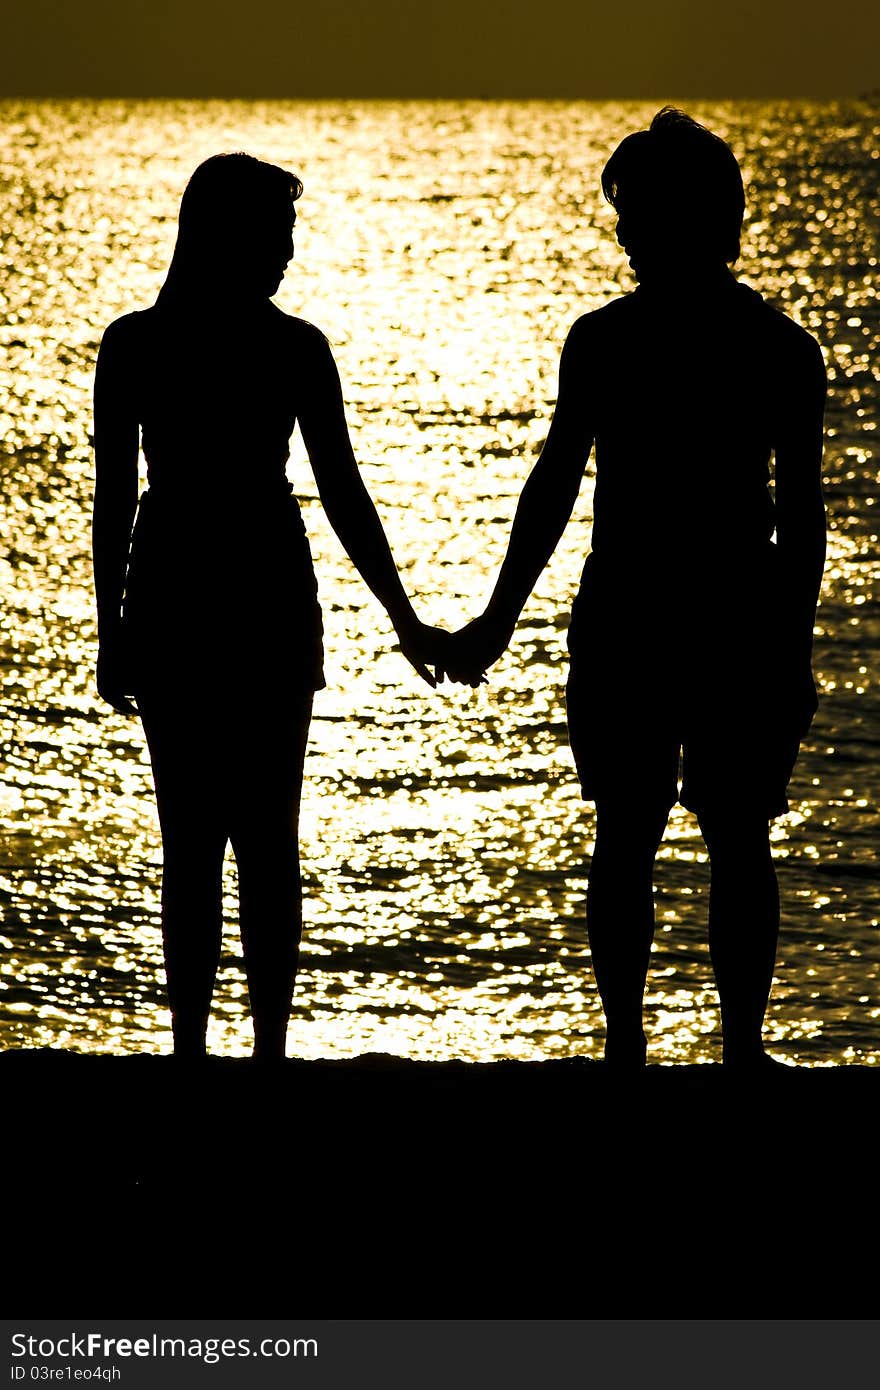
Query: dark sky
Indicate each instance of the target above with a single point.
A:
(398, 48)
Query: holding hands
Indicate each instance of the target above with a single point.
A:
(474, 648)
(423, 646)
(462, 657)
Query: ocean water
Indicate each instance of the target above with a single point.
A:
(444, 248)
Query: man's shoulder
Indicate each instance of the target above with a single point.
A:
(790, 341)
(596, 327)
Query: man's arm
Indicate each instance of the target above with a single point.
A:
(350, 508)
(800, 510)
(545, 505)
(117, 441)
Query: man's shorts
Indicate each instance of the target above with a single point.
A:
(653, 689)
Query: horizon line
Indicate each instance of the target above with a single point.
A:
(868, 97)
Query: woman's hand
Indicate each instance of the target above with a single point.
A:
(117, 435)
(111, 680)
(423, 646)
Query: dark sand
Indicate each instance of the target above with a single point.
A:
(378, 1187)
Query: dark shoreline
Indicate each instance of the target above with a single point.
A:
(387, 1187)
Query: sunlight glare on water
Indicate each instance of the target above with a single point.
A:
(444, 249)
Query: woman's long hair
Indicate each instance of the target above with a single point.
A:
(226, 206)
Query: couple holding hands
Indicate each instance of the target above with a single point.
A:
(690, 638)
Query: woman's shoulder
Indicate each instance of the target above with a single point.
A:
(127, 331)
(307, 351)
(300, 333)
(127, 324)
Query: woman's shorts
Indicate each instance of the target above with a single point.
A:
(221, 595)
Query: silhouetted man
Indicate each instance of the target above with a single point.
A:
(691, 635)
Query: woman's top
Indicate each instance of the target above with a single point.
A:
(220, 585)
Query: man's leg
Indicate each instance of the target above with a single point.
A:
(743, 927)
(620, 921)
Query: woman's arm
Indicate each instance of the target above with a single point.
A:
(116, 456)
(350, 508)
(800, 509)
(545, 505)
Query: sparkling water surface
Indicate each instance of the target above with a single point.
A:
(444, 248)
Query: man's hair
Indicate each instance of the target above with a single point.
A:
(677, 158)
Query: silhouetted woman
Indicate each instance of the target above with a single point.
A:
(207, 604)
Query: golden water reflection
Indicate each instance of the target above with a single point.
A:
(445, 249)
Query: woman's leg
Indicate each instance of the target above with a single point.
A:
(620, 921)
(265, 837)
(743, 928)
(184, 760)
